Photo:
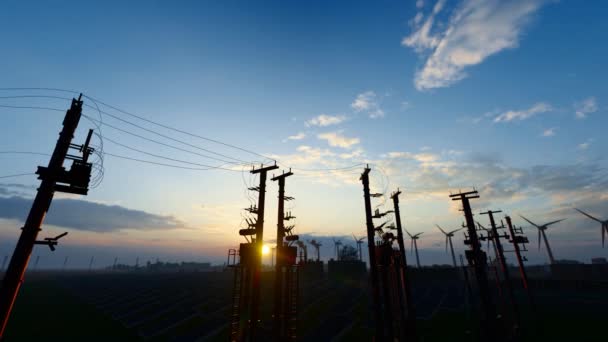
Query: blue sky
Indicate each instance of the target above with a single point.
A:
(509, 97)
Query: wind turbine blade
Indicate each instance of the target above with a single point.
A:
(589, 216)
(408, 233)
(530, 222)
(441, 229)
(539, 239)
(552, 222)
(412, 247)
(354, 237)
(455, 230)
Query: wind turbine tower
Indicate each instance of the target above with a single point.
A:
(603, 223)
(541, 231)
(414, 246)
(359, 243)
(317, 245)
(337, 244)
(448, 240)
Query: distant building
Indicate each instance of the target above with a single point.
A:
(568, 262)
(597, 261)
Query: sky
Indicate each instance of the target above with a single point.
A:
(507, 97)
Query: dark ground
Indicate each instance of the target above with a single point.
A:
(194, 307)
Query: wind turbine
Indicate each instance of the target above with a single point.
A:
(603, 223)
(541, 231)
(414, 245)
(359, 243)
(337, 244)
(317, 246)
(448, 239)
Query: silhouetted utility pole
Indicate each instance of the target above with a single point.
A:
(477, 259)
(410, 325)
(259, 244)
(379, 336)
(516, 240)
(53, 178)
(282, 267)
(505, 268)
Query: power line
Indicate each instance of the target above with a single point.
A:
(24, 152)
(32, 107)
(163, 164)
(18, 175)
(178, 130)
(173, 139)
(158, 142)
(94, 100)
(167, 158)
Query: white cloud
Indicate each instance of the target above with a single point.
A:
(549, 132)
(519, 115)
(325, 120)
(587, 106)
(476, 30)
(336, 139)
(298, 136)
(367, 102)
(419, 3)
(584, 145)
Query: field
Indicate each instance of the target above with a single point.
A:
(194, 307)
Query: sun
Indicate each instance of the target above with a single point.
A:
(265, 250)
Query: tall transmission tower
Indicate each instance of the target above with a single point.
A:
(404, 281)
(517, 239)
(286, 270)
(245, 321)
(504, 268)
(53, 178)
(477, 260)
(371, 229)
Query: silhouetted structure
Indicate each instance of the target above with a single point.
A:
(604, 225)
(448, 241)
(541, 231)
(504, 268)
(244, 321)
(477, 260)
(286, 271)
(53, 178)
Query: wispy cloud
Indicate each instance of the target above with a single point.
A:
(519, 115)
(367, 102)
(298, 136)
(549, 132)
(324, 120)
(475, 30)
(585, 145)
(587, 106)
(336, 139)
